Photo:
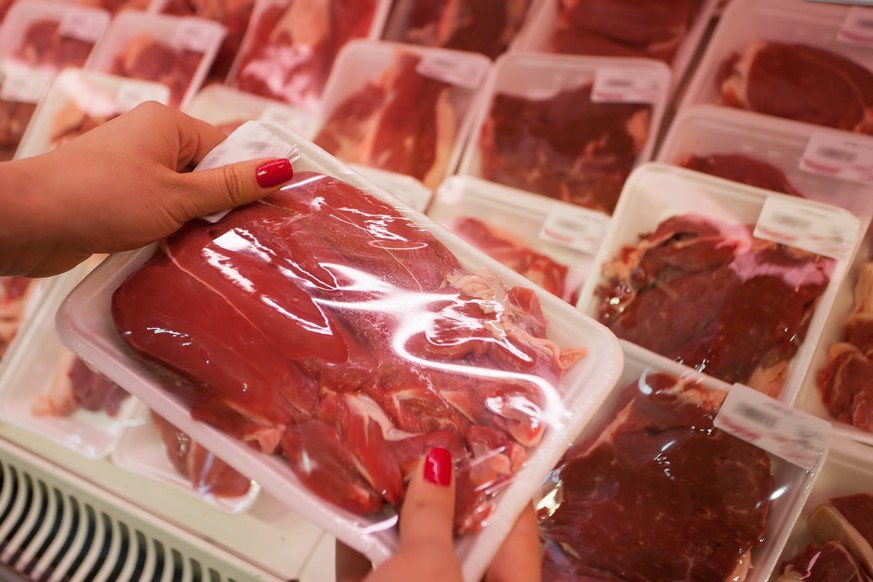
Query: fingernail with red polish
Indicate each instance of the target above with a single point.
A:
(274, 173)
(438, 467)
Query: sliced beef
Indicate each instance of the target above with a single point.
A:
(14, 118)
(43, 45)
(743, 169)
(76, 387)
(148, 59)
(829, 562)
(848, 520)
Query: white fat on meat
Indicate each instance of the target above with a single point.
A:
(307, 22)
(864, 289)
(827, 523)
(769, 379)
(736, 85)
(446, 127)
(59, 399)
(637, 126)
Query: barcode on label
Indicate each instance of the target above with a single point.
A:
(792, 221)
(629, 85)
(757, 415)
(811, 227)
(837, 154)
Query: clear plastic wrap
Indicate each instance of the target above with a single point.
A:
(367, 335)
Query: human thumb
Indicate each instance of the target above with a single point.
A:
(226, 187)
(427, 515)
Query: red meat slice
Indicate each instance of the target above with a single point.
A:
(150, 60)
(743, 169)
(76, 386)
(539, 268)
(379, 345)
(484, 26)
(565, 147)
(799, 82)
(657, 493)
(42, 45)
(712, 297)
(828, 562)
(14, 118)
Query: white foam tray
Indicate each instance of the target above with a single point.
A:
(406, 188)
(85, 325)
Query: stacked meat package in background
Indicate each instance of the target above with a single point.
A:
(14, 295)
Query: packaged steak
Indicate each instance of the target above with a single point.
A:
(547, 126)
(51, 35)
(21, 89)
(75, 387)
(719, 278)
(654, 489)
(483, 26)
(766, 152)
(290, 46)
(172, 50)
(517, 229)
(372, 343)
(152, 447)
(405, 188)
(15, 292)
(79, 101)
(399, 108)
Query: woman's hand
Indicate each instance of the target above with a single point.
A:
(426, 552)
(119, 187)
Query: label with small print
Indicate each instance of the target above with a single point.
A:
(196, 35)
(24, 84)
(83, 24)
(857, 27)
(788, 433)
(629, 85)
(845, 157)
(576, 228)
(817, 229)
(458, 70)
(132, 93)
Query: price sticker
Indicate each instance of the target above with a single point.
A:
(629, 85)
(23, 84)
(452, 69)
(197, 35)
(817, 229)
(837, 156)
(857, 27)
(132, 93)
(788, 433)
(82, 24)
(576, 228)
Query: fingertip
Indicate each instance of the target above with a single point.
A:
(438, 467)
(274, 173)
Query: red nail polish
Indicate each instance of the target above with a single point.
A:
(274, 173)
(438, 467)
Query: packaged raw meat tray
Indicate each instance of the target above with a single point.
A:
(787, 59)
(79, 101)
(542, 127)
(171, 50)
(511, 226)
(406, 188)
(400, 108)
(832, 538)
(766, 152)
(654, 490)
(392, 290)
(667, 30)
(483, 26)
(290, 47)
(21, 90)
(51, 35)
(722, 277)
(154, 448)
(18, 299)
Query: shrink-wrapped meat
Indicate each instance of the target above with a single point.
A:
(14, 294)
(333, 330)
(148, 59)
(76, 386)
(14, 117)
(828, 562)
(44, 45)
(743, 169)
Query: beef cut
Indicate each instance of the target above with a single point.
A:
(743, 169)
(711, 296)
(115, 6)
(565, 147)
(656, 493)
(14, 117)
(799, 82)
(483, 26)
(146, 58)
(75, 387)
(624, 28)
(515, 254)
(72, 121)
(403, 122)
(43, 45)
(848, 520)
(321, 324)
(209, 475)
(14, 295)
(845, 383)
(828, 562)
(295, 44)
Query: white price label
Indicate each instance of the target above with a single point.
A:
(837, 156)
(23, 84)
(857, 28)
(197, 35)
(629, 85)
(132, 93)
(822, 230)
(576, 228)
(82, 24)
(452, 69)
(788, 433)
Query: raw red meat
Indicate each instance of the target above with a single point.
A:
(743, 169)
(71, 121)
(115, 6)
(565, 147)
(209, 475)
(653, 29)
(484, 26)
(829, 562)
(150, 60)
(844, 383)
(403, 122)
(848, 520)
(14, 294)
(42, 45)
(539, 268)
(711, 296)
(799, 82)
(330, 328)
(75, 387)
(295, 44)
(14, 117)
(657, 493)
